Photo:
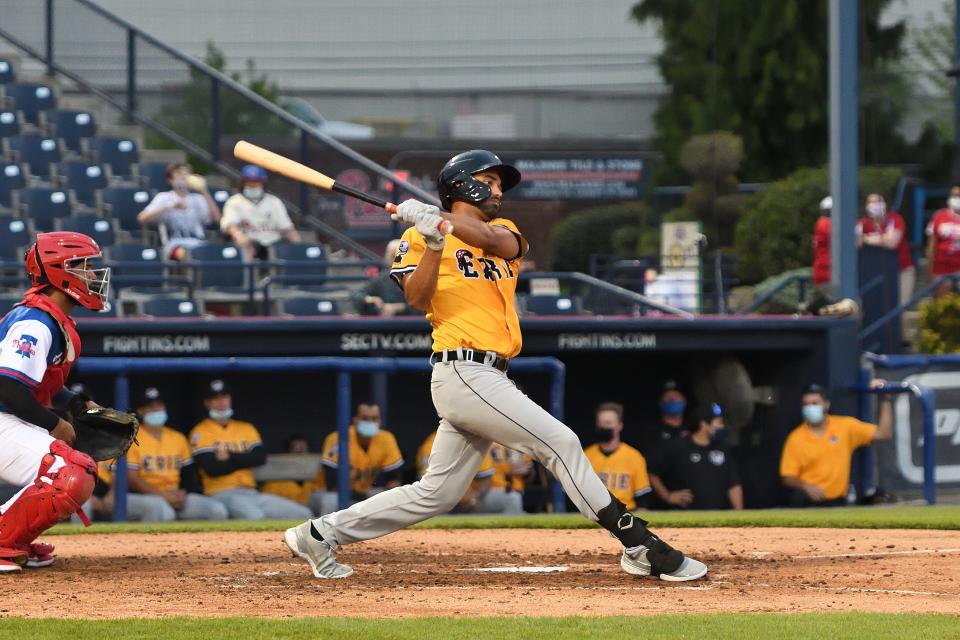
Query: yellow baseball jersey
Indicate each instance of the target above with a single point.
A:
(502, 476)
(105, 471)
(159, 459)
(383, 454)
(235, 437)
(623, 472)
(474, 303)
(824, 460)
(289, 489)
(487, 468)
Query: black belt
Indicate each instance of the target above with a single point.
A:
(490, 358)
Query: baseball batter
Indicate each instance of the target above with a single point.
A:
(466, 283)
(39, 346)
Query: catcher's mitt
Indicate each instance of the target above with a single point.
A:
(104, 433)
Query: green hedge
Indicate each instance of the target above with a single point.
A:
(596, 230)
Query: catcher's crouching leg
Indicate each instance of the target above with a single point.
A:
(53, 496)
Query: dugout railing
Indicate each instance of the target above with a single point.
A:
(345, 368)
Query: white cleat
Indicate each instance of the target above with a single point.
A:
(634, 561)
(319, 554)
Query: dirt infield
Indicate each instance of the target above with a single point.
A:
(436, 572)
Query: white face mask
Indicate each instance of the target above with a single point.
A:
(253, 193)
(179, 185)
(954, 203)
(876, 209)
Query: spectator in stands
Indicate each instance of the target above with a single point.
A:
(254, 219)
(943, 246)
(670, 424)
(888, 230)
(622, 468)
(376, 463)
(180, 212)
(821, 244)
(697, 471)
(512, 471)
(381, 296)
(815, 465)
(297, 490)
(227, 450)
(163, 479)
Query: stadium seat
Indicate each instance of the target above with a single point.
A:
(31, 99)
(71, 126)
(7, 302)
(143, 272)
(12, 178)
(7, 74)
(15, 236)
(170, 308)
(37, 152)
(119, 153)
(83, 178)
(220, 196)
(551, 305)
(123, 204)
(307, 268)
(308, 306)
(153, 175)
(43, 205)
(10, 123)
(102, 230)
(224, 275)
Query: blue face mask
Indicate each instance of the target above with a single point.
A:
(367, 428)
(155, 418)
(672, 408)
(813, 413)
(219, 416)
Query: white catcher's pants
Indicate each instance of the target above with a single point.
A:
(22, 447)
(477, 404)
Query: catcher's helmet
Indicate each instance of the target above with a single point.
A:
(456, 180)
(62, 259)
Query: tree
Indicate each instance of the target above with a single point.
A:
(759, 70)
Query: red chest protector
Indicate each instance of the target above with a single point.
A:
(56, 374)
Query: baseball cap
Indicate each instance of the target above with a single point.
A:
(216, 388)
(708, 411)
(826, 204)
(816, 388)
(253, 173)
(148, 395)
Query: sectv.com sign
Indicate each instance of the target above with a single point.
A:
(908, 438)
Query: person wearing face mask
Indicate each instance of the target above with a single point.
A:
(227, 450)
(621, 468)
(698, 471)
(815, 465)
(670, 424)
(943, 246)
(163, 479)
(376, 463)
(255, 219)
(181, 212)
(888, 230)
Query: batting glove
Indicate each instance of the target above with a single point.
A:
(409, 210)
(428, 224)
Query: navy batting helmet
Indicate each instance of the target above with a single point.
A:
(456, 181)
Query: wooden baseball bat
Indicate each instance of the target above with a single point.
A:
(292, 169)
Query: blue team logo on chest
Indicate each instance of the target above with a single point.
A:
(26, 346)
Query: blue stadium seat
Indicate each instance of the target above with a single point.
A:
(309, 306)
(15, 236)
(43, 205)
(7, 302)
(83, 178)
(100, 229)
(543, 305)
(171, 308)
(31, 99)
(123, 204)
(12, 178)
(71, 126)
(230, 278)
(7, 74)
(306, 276)
(153, 175)
(220, 196)
(120, 153)
(10, 124)
(145, 270)
(37, 152)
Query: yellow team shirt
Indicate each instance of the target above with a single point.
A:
(824, 460)
(159, 459)
(474, 303)
(290, 489)
(623, 472)
(383, 454)
(487, 468)
(502, 477)
(235, 437)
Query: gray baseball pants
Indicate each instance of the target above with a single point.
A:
(477, 404)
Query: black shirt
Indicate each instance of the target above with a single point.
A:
(708, 472)
(655, 437)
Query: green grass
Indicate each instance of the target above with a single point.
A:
(938, 517)
(765, 625)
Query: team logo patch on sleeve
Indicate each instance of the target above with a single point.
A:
(26, 346)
